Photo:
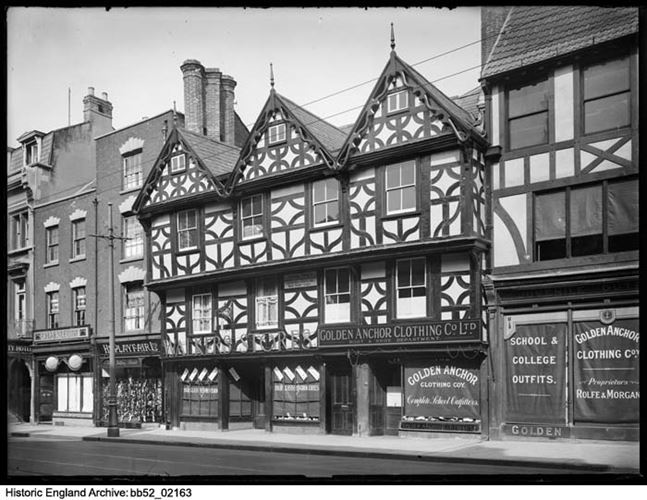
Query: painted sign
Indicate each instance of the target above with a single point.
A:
(19, 348)
(607, 371)
(300, 280)
(404, 333)
(137, 348)
(530, 430)
(74, 333)
(441, 390)
(536, 367)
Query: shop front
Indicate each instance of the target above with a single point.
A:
(138, 380)
(64, 365)
(20, 378)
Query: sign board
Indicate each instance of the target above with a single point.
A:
(300, 280)
(442, 390)
(607, 371)
(62, 334)
(19, 348)
(535, 430)
(133, 348)
(401, 333)
(536, 367)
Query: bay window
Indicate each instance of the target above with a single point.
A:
(411, 294)
(337, 295)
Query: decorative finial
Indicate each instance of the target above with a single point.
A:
(271, 75)
(174, 115)
(392, 38)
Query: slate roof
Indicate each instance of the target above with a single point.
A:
(534, 34)
(328, 135)
(219, 158)
(469, 101)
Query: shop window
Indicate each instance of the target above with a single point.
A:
(178, 163)
(133, 245)
(20, 230)
(78, 238)
(276, 133)
(200, 400)
(133, 307)
(400, 187)
(267, 303)
(252, 216)
(337, 295)
(187, 230)
(397, 101)
(411, 300)
(586, 220)
(132, 169)
(52, 309)
(325, 202)
(607, 95)
(74, 392)
(240, 405)
(78, 300)
(528, 115)
(295, 394)
(201, 313)
(51, 252)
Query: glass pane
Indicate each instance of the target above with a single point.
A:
(586, 210)
(528, 99)
(418, 272)
(333, 211)
(408, 173)
(257, 204)
(529, 130)
(606, 78)
(344, 280)
(392, 176)
(393, 201)
(408, 198)
(61, 391)
(550, 216)
(319, 191)
(623, 207)
(331, 281)
(74, 393)
(607, 113)
(403, 273)
(419, 291)
(87, 393)
(320, 215)
(191, 218)
(331, 189)
(247, 207)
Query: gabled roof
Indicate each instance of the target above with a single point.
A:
(460, 120)
(469, 101)
(28, 135)
(218, 157)
(534, 34)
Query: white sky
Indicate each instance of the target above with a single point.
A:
(135, 55)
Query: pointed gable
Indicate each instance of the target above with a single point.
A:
(189, 164)
(403, 107)
(286, 137)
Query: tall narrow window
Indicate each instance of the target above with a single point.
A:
(276, 133)
(267, 303)
(132, 168)
(133, 245)
(78, 298)
(78, 238)
(528, 115)
(134, 308)
(400, 187)
(19, 230)
(31, 153)
(397, 101)
(252, 216)
(51, 255)
(20, 307)
(52, 310)
(411, 288)
(607, 95)
(337, 295)
(187, 230)
(202, 313)
(325, 201)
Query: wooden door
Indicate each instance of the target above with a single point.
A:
(377, 403)
(46, 398)
(259, 399)
(341, 401)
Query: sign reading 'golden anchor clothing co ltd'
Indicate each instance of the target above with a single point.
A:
(401, 333)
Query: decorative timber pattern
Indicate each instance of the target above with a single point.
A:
(288, 224)
(445, 200)
(362, 202)
(374, 298)
(161, 252)
(218, 237)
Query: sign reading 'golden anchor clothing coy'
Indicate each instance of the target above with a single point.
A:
(404, 333)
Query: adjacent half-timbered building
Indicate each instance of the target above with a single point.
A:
(562, 107)
(321, 281)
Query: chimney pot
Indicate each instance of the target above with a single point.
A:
(90, 90)
(104, 96)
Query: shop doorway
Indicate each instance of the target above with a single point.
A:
(341, 401)
(46, 397)
(385, 398)
(247, 397)
(20, 390)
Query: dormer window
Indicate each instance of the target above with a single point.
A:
(397, 101)
(178, 163)
(31, 153)
(276, 133)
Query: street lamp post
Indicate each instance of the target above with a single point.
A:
(113, 423)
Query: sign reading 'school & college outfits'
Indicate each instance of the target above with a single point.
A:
(401, 333)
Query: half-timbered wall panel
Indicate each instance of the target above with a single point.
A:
(301, 311)
(445, 194)
(455, 286)
(288, 224)
(175, 315)
(160, 251)
(477, 181)
(374, 293)
(218, 237)
(510, 244)
(232, 318)
(363, 210)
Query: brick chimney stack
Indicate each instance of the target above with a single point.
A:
(98, 112)
(492, 19)
(208, 101)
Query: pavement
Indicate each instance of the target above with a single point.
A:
(582, 455)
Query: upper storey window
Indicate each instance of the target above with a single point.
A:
(187, 230)
(606, 95)
(325, 202)
(252, 216)
(397, 101)
(276, 133)
(400, 187)
(178, 163)
(51, 236)
(132, 168)
(19, 230)
(267, 303)
(528, 115)
(31, 153)
(78, 238)
(411, 301)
